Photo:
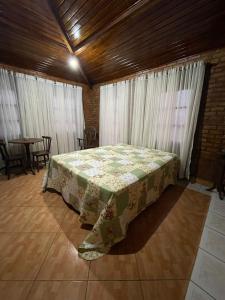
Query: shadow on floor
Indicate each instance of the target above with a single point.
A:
(146, 223)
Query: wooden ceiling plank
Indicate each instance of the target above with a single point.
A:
(74, 8)
(157, 33)
(151, 40)
(98, 19)
(87, 14)
(144, 52)
(157, 61)
(157, 24)
(121, 31)
(137, 5)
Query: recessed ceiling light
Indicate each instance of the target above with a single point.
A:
(76, 31)
(73, 62)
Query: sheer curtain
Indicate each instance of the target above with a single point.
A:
(114, 113)
(69, 117)
(9, 109)
(164, 109)
(43, 107)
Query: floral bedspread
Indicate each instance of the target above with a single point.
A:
(110, 186)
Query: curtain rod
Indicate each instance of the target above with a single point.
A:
(39, 75)
(163, 67)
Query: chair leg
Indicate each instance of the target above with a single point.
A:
(37, 160)
(33, 162)
(23, 166)
(7, 171)
(45, 160)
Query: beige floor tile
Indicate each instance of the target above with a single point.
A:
(21, 254)
(164, 289)
(195, 293)
(58, 290)
(209, 274)
(62, 262)
(114, 267)
(114, 290)
(216, 221)
(199, 188)
(214, 243)
(216, 205)
(14, 290)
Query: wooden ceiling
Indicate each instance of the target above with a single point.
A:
(111, 39)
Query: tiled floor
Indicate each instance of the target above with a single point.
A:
(208, 276)
(39, 236)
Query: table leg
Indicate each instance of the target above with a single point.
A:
(29, 164)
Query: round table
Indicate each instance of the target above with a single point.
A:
(27, 142)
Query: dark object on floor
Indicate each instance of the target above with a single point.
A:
(219, 177)
(90, 139)
(42, 155)
(11, 161)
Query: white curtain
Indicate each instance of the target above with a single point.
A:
(43, 107)
(164, 108)
(114, 113)
(9, 109)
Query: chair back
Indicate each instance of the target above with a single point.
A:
(90, 135)
(47, 143)
(3, 150)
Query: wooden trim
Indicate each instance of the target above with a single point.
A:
(62, 30)
(41, 75)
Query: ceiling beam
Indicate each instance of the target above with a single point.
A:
(132, 9)
(66, 39)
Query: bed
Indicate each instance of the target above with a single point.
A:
(109, 186)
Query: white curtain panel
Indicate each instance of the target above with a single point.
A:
(171, 110)
(138, 110)
(163, 108)
(69, 117)
(9, 109)
(114, 113)
(43, 107)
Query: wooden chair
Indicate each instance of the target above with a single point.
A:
(90, 139)
(44, 154)
(11, 161)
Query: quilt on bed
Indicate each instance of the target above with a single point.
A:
(110, 186)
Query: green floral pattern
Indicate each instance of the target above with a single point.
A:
(110, 186)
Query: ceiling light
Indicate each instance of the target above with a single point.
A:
(73, 62)
(76, 31)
